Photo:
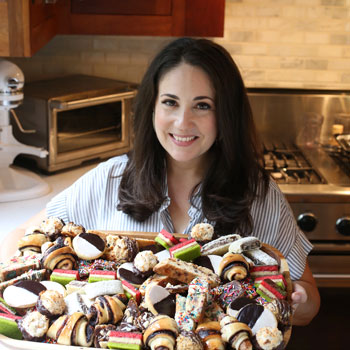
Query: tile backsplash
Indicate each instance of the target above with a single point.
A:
(276, 43)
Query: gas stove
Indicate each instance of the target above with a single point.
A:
(294, 126)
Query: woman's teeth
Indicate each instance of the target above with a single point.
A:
(184, 139)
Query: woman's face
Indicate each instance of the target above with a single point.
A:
(184, 119)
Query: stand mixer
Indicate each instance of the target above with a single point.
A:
(15, 183)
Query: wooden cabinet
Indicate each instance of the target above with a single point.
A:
(27, 25)
(151, 17)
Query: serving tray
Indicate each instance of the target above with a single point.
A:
(144, 239)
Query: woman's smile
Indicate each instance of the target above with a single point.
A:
(183, 140)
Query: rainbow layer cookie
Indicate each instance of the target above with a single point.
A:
(99, 275)
(124, 340)
(264, 270)
(131, 291)
(278, 279)
(186, 251)
(8, 326)
(166, 239)
(269, 290)
(64, 276)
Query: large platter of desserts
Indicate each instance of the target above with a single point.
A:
(134, 290)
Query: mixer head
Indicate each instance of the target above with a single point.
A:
(11, 85)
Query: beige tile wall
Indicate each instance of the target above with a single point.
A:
(276, 43)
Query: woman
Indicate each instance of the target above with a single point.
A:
(195, 159)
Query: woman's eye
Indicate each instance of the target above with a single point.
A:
(203, 105)
(169, 102)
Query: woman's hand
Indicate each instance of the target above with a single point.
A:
(299, 295)
(305, 298)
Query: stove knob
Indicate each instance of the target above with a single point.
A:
(307, 221)
(343, 225)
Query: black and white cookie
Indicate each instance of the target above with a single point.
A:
(23, 294)
(211, 262)
(88, 246)
(257, 316)
(236, 305)
(159, 301)
(128, 273)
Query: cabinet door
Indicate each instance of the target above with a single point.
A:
(26, 26)
(151, 17)
(46, 20)
(14, 24)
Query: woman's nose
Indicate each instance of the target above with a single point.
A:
(184, 118)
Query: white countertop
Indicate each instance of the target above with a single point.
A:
(13, 214)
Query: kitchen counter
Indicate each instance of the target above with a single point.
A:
(14, 214)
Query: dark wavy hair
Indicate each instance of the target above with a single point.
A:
(236, 172)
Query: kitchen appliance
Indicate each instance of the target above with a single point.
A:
(296, 129)
(78, 118)
(15, 183)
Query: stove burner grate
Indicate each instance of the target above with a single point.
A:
(288, 165)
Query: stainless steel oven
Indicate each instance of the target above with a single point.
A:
(76, 119)
(311, 170)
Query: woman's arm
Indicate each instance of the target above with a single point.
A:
(305, 298)
(9, 244)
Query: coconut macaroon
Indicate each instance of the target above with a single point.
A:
(33, 326)
(121, 248)
(269, 338)
(202, 232)
(51, 303)
(71, 229)
(145, 261)
(52, 227)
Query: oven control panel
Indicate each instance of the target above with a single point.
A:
(323, 221)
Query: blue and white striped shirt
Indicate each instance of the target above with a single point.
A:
(92, 202)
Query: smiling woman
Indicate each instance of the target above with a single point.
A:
(195, 159)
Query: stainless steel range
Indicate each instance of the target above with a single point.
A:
(312, 169)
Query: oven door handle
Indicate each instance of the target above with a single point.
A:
(332, 276)
(330, 248)
(89, 101)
